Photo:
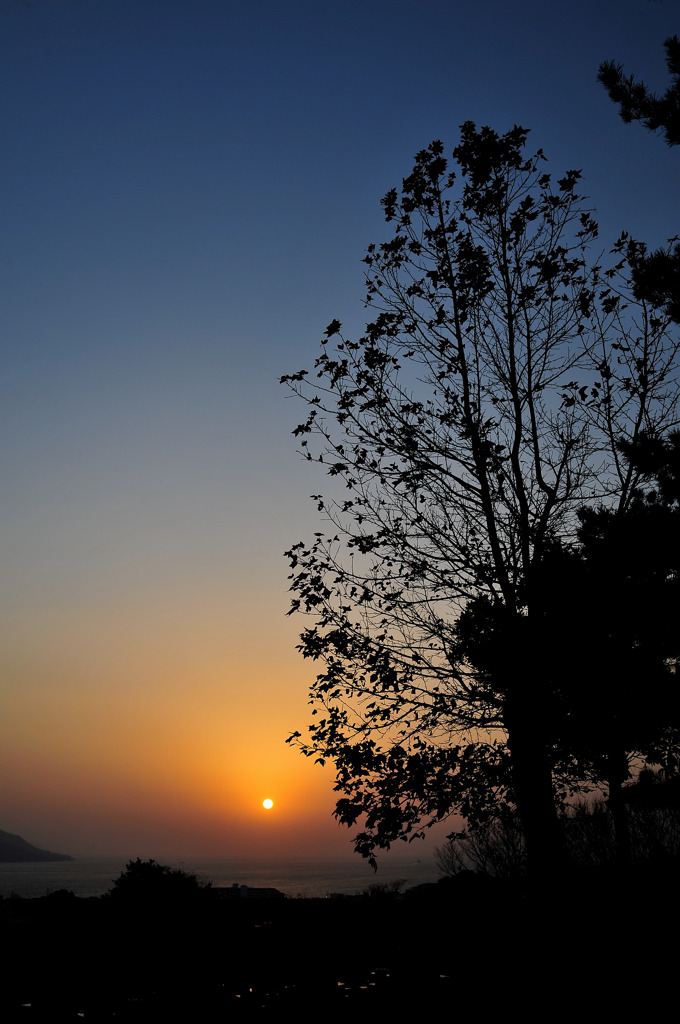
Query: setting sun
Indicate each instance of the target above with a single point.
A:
(268, 804)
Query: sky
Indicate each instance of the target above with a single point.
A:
(188, 188)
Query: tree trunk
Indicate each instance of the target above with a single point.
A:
(533, 790)
(617, 771)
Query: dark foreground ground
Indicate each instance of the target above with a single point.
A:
(596, 945)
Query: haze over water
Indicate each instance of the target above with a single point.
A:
(93, 876)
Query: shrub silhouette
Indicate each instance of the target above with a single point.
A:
(146, 883)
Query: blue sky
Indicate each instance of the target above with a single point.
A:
(189, 188)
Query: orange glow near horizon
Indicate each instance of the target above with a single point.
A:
(160, 733)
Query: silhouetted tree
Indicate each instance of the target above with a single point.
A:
(479, 411)
(146, 883)
(656, 276)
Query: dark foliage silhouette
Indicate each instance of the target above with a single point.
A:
(632, 562)
(637, 103)
(629, 582)
(146, 882)
(656, 275)
(483, 407)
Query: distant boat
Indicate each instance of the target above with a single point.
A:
(15, 850)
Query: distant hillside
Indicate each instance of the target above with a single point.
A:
(14, 849)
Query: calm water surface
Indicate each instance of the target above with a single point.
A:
(92, 876)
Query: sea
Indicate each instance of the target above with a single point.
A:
(93, 876)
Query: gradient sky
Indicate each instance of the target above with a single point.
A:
(188, 189)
